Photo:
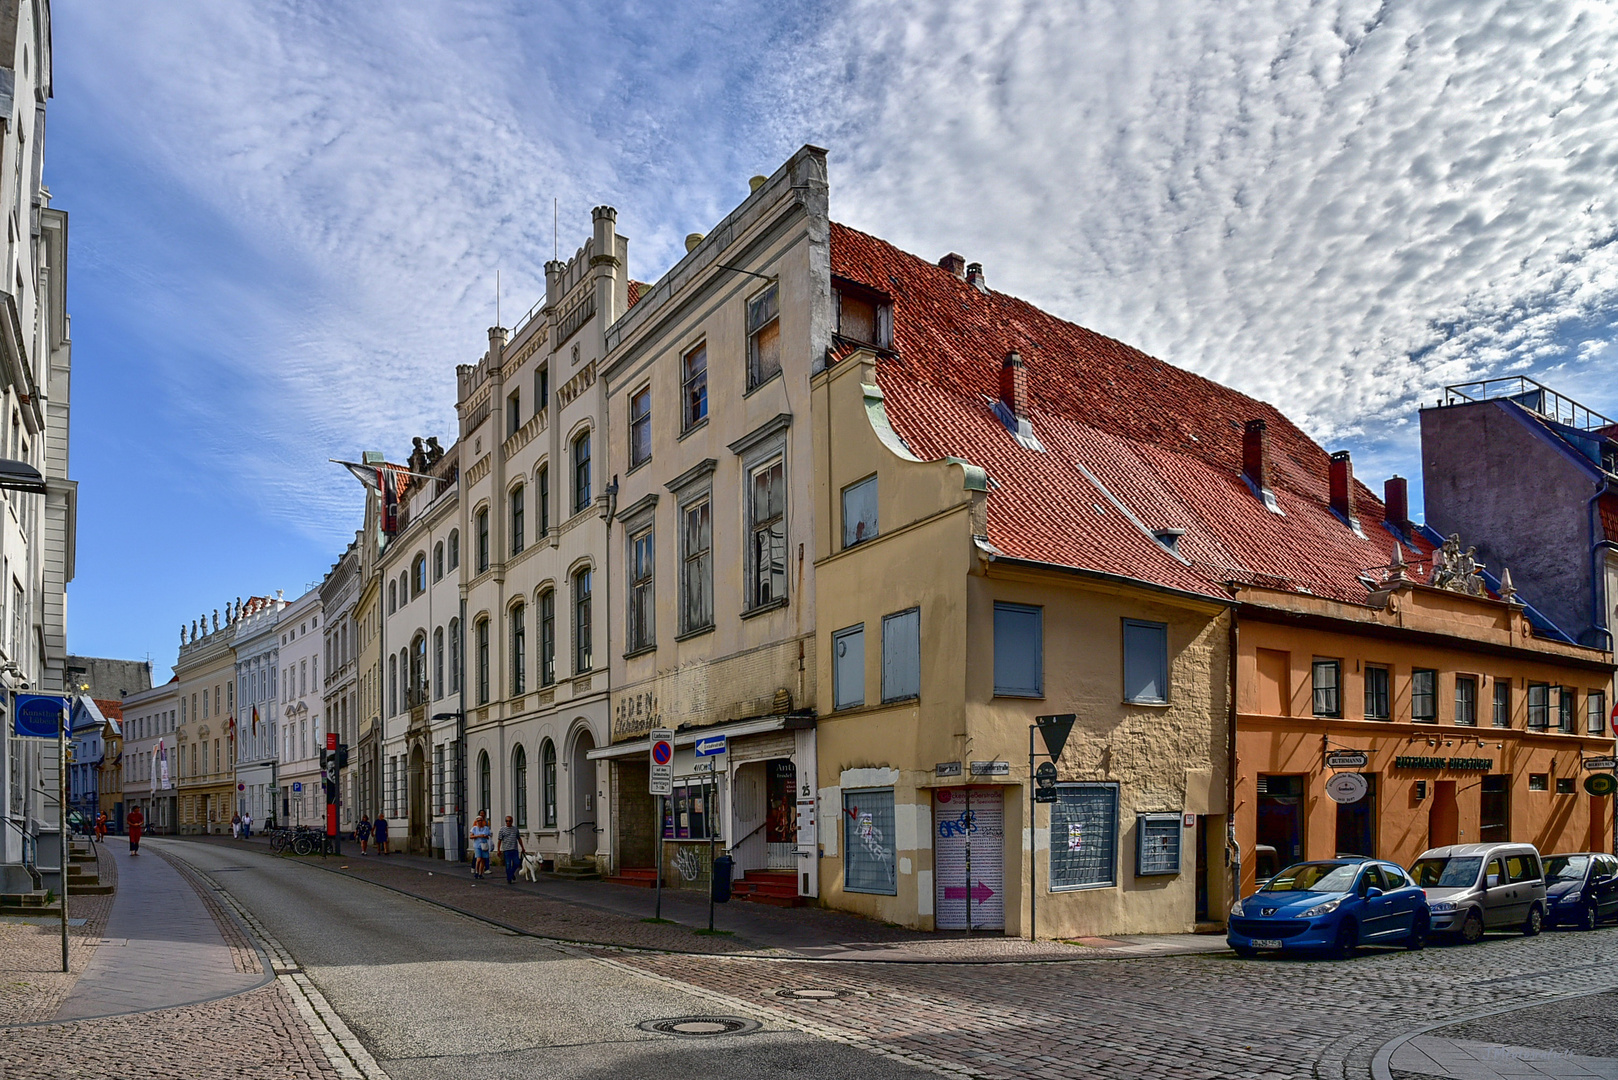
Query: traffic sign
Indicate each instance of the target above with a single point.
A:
(1045, 795)
(1045, 776)
(297, 785)
(662, 763)
(1055, 730)
(712, 746)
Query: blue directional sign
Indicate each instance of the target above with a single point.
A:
(38, 716)
(297, 786)
(712, 746)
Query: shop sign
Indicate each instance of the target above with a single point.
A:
(1601, 763)
(947, 768)
(991, 768)
(1347, 759)
(1601, 783)
(1346, 787)
(1459, 764)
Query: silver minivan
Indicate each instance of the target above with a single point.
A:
(1476, 887)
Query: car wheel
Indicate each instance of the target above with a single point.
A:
(1587, 917)
(1246, 952)
(1348, 938)
(1417, 939)
(1472, 928)
(1534, 923)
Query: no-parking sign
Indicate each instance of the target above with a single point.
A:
(662, 763)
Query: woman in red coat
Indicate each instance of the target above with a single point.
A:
(135, 820)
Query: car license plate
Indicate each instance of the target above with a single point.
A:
(1266, 943)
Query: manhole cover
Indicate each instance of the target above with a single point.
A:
(812, 995)
(700, 1027)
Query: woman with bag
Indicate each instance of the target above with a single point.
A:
(480, 836)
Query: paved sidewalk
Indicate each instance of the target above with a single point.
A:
(32, 982)
(161, 947)
(599, 912)
(1465, 1059)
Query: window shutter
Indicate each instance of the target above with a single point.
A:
(1145, 661)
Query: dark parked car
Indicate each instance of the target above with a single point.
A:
(1581, 889)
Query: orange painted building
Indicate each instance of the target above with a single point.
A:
(1472, 726)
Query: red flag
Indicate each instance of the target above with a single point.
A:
(255, 719)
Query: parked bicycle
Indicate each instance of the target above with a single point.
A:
(301, 840)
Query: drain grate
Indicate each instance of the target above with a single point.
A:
(812, 994)
(700, 1027)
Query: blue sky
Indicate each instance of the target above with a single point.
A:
(286, 218)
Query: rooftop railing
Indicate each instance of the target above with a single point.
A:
(1532, 395)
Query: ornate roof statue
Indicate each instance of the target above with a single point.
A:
(1457, 570)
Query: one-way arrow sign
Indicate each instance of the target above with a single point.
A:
(980, 892)
(712, 746)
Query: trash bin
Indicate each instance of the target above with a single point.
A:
(722, 867)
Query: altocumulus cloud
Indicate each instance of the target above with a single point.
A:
(1338, 207)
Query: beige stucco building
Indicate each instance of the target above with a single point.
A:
(712, 558)
(534, 502)
(205, 686)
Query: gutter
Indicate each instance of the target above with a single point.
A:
(1233, 850)
(1598, 579)
(1112, 579)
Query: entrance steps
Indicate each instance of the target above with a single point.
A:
(30, 903)
(644, 877)
(778, 888)
(569, 869)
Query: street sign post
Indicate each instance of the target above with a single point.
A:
(662, 785)
(1054, 730)
(1601, 763)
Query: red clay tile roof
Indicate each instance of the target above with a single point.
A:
(1131, 444)
(635, 289)
(112, 710)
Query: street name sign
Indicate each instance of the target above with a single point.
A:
(662, 762)
(1601, 763)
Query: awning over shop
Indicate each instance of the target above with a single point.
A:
(733, 729)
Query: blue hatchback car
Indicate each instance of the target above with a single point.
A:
(1331, 906)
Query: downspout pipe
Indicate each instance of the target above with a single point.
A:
(1233, 850)
(1598, 579)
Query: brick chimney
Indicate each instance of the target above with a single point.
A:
(1396, 497)
(974, 277)
(1256, 463)
(1342, 489)
(955, 264)
(1014, 385)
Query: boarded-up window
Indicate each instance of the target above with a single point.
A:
(1019, 651)
(901, 655)
(1146, 662)
(848, 667)
(868, 848)
(859, 511)
(1084, 837)
(763, 337)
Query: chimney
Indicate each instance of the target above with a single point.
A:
(1342, 488)
(1396, 499)
(1014, 385)
(974, 277)
(955, 264)
(1256, 463)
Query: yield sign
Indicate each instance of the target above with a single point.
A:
(1055, 729)
(980, 892)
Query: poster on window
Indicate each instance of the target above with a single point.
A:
(1084, 836)
(781, 821)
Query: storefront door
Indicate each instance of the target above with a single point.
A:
(969, 859)
(1356, 823)
(1494, 810)
(781, 821)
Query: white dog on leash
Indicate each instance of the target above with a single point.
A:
(531, 866)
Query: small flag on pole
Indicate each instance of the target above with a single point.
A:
(255, 719)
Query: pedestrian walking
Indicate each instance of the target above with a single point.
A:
(379, 829)
(101, 826)
(480, 845)
(511, 849)
(362, 833)
(135, 820)
(236, 826)
(247, 826)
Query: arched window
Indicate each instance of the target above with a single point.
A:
(418, 571)
(542, 482)
(455, 665)
(393, 598)
(483, 539)
(483, 782)
(393, 686)
(404, 589)
(519, 787)
(418, 669)
(581, 473)
(581, 621)
(517, 515)
(519, 649)
(453, 555)
(547, 783)
(483, 661)
(438, 561)
(547, 637)
(438, 662)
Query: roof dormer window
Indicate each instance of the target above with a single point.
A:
(863, 315)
